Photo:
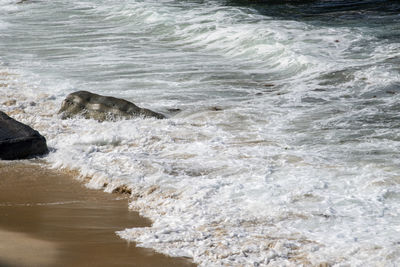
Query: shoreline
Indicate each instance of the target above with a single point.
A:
(50, 217)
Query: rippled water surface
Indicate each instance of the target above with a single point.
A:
(285, 150)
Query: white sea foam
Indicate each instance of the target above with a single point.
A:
(282, 155)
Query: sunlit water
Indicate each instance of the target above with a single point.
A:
(285, 150)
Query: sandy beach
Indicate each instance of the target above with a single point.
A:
(49, 219)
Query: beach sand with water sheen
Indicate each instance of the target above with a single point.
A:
(49, 219)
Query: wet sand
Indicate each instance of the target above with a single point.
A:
(49, 219)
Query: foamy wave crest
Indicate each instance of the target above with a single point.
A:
(281, 48)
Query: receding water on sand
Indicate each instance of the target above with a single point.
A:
(49, 219)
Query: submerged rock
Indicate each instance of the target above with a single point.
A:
(19, 141)
(101, 108)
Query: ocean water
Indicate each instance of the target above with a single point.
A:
(285, 151)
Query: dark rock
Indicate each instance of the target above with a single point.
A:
(101, 108)
(19, 141)
(174, 110)
(215, 108)
(269, 85)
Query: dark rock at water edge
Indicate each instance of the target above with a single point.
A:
(101, 108)
(19, 141)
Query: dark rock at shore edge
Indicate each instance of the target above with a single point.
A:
(101, 108)
(18, 140)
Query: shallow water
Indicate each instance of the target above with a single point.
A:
(285, 150)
